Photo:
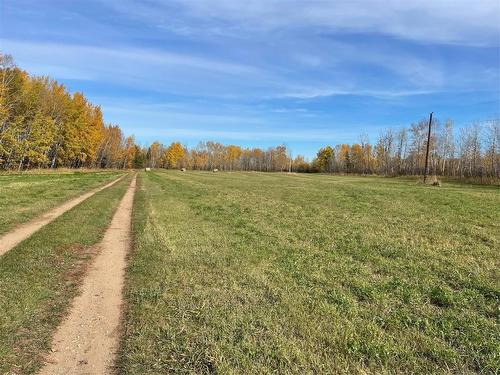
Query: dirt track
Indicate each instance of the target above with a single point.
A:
(23, 231)
(86, 341)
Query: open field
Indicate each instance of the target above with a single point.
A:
(27, 195)
(267, 273)
(260, 273)
(40, 277)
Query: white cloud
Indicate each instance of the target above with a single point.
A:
(147, 69)
(286, 50)
(441, 21)
(312, 93)
(184, 74)
(117, 57)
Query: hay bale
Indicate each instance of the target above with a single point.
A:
(147, 169)
(436, 182)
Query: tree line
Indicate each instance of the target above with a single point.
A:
(473, 151)
(213, 155)
(42, 125)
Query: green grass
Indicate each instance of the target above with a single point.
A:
(40, 277)
(24, 196)
(276, 273)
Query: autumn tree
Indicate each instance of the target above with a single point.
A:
(324, 159)
(173, 154)
(232, 156)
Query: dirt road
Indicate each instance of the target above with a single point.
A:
(23, 231)
(86, 341)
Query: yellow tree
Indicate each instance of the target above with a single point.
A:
(368, 159)
(94, 134)
(58, 108)
(345, 157)
(129, 152)
(199, 159)
(233, 154)
(280, 158)
(357, 158)
(38, 141)
(74, 132)
(36, 127)
(173, 155)
(257, 156)
(8, 93)
(15, 87)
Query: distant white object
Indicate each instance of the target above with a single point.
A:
(436, 182)
(216, 170)
(183, 169)
(147, 169)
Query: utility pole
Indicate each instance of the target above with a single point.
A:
(426, 170)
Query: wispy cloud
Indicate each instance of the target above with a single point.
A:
(312, 93)
(264, 70)
(158, 70)
(186, 74)
(121, 56)
(439, 21)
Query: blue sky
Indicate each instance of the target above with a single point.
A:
(264, 72)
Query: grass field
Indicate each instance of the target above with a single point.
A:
(276, 273)
(266, 273)
(24, 196)
(40, 276)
